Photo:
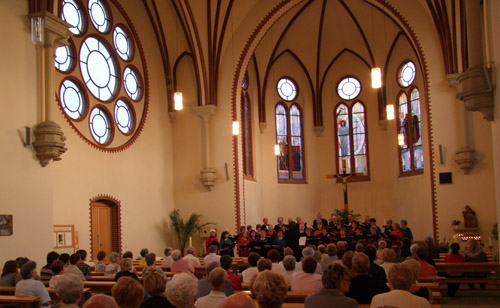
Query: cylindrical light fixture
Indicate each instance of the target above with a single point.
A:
(277, 149)
(401, 139)
(236, 128)
(376, 78)
(390, 111)
(178, 101)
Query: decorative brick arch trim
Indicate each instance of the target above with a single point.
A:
(116, 221)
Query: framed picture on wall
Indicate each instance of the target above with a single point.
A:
(6, 225)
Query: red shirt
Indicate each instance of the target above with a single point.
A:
(235, 280)
(451, 258)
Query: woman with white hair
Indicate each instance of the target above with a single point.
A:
(415, 289)
(113, 267)
(181, 290)
(180, 265)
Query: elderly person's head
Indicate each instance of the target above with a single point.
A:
(382, 244)
(287, 251)
(218, 279)
(274, 255)
(154, 284)
(69, 288)
(150, 259)
(176, 254)
(264, 264)
(253, 258)
(100, 301)
(307, 252)
(413, 250)
(269, 289)
(238, 300)
(212, 249)
(347, 258)
(422, 252)
(331, 250)
(114, 257)
(28, 270)
(359, 247)
(336, 277)
(472, 245)
(400, 277)
(360, 263)
(388, 255)
(210, 266)
(191, 251)
(181, 290)
(371, 252)
(127, 292)
(414, 267)
(126, 264)
(289, 263)
(309, 265)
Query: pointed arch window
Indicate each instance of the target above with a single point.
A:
(246, 110)
(351, 140)
(289, 137)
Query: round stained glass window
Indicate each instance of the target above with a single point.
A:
(100, 125)
(132, 83)
(98, 69)
(99, 16)
(122, 42)
(64, 58)
(72, 100)
(287, 89)
(407, 74)
(72, 14)
(349, 88)
(123, 116)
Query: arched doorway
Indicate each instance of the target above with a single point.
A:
(105, 226)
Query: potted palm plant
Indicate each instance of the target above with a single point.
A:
(185, 229)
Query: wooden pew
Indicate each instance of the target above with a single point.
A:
(99, 286)
(467, 267)
(490, 256)
(24, 301)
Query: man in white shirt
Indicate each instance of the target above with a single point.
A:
(31, 287)
(247, 274)
(191, 258)
(212, 255)
(218, 280)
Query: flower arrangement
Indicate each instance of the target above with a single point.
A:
(455, 222)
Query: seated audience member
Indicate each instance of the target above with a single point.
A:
(181, 290)
(347, 262)
(218, 280)
(64, 257)
(180, 265)
(275, 257)
(127, 292)
(376, 270)
(204, 286)
(400, 281)
(426, 269)
(155, 284)
(69, 290)
(331, 254)
(128, 254)
(382, 244)
(454, 257)
(238, 300)
(269, 289)
(359, 247)
(58, 269)
(100, 267)
(113, 267)
(167, 261)
(100, 301)
(9, 273)
(226, 262)
(20, 262)
(363, 286)
(397, 252)
(474, 253)
(46, 271)
(405, 248)
(289, 268)
(309, 252)
(335, 284)
(151, 268)
(82, 266)
(28, 286)
(307, 280)
(191, 257)
(432, 249)
(212, 255)
(415, 289)
(253, 258)
(72, 268)
(126, 270)
(264, 264)
(142, 253)
(388, 256)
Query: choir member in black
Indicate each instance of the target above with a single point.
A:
(352, 230)
(319, 219)
(301, 221)
(302, 229)
(332, 224)
(258, 228)
(226, 245)
(325, 237)
(358, 235)
(375, 235)
(350, 219)
(279, 242)
(388, 227)
(319, 229)
(292, 236)
(373, 223)
(265, 225)
(264, 244)
(336, 230)
(366, 224)
(343, 236)
(279, 224)
(310, 239)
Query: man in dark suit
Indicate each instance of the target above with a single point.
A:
(363, 286)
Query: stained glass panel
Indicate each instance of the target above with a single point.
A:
(344, 142)
(359, 138)
(281, 140)
(296, 134)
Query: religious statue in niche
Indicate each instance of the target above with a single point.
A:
(470, 219)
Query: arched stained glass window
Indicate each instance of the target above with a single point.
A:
(351, 141)
(290, 140)
(246, 110)
(409, 126)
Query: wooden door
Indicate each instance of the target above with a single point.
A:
(101, 229)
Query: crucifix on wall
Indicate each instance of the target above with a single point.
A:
(343, 177)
